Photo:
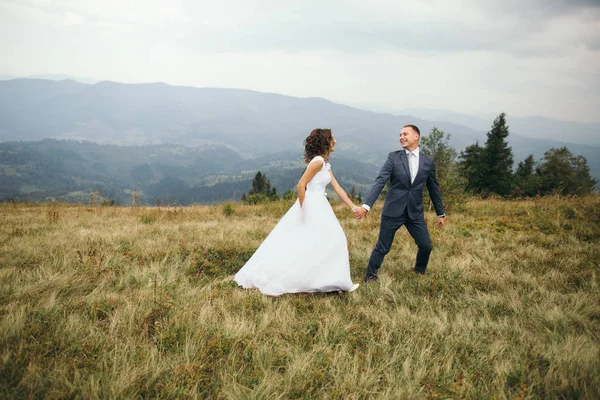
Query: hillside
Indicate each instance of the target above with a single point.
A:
(191, 145)
(252, 123)
(126, 302)
(52, 170)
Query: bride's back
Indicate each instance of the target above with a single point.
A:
(320, 181)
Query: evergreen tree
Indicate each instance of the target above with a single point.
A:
(260, 184)
(526, 181)
(498, 170)
(261, 190)
(473, 167)
(273, 196)
(561, 172)
(525, 167)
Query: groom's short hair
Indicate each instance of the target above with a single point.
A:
(414, 127)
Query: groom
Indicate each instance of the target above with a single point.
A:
(408, 171)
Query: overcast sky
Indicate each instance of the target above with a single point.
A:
(525, 57)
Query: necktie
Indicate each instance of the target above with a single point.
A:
(412, 164)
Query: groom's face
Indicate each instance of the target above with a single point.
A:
(409, 138)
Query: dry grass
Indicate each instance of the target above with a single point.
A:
(139, 302)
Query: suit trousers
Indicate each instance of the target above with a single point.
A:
(387, 230)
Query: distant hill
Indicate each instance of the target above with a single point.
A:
(53, 77)
(253, 123)
(68, 171)
(205, 137)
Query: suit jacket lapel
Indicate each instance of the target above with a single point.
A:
(404, 159)
(421, 164)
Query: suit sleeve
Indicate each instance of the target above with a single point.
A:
(380, 181)
(434, 191)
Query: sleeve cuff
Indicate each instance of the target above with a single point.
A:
(442, 216)
(366, 207)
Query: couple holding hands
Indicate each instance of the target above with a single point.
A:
(307, 250)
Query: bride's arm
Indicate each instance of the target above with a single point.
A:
(310, 172)
(341, 192)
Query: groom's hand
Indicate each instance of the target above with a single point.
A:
(440, 222)
(359, 212)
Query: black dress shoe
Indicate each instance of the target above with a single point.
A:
(370, 278)
(418, 272)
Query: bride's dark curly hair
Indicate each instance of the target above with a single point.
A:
(317, 143)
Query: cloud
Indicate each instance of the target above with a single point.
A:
(532, 28)
(431, 26)
(533, 57)
(543, 9)
(74, 19)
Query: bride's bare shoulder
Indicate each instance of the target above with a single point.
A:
(318, 160)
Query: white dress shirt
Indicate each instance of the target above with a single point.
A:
(413, 163)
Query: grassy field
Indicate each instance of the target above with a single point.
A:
(117, 302)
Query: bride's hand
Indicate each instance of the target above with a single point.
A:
(359, 212)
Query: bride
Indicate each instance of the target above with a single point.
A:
(307, 250)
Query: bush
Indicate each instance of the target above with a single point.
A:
(228, 209)
(290, 195)
(256, 198)
(107, 203)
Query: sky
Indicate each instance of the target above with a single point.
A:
(523, 57)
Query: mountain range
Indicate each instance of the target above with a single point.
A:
(250, 129)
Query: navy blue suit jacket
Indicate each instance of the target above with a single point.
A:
(402, 195)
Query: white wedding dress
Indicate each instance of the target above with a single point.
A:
(307, 250)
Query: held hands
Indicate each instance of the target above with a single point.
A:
(359, 212)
